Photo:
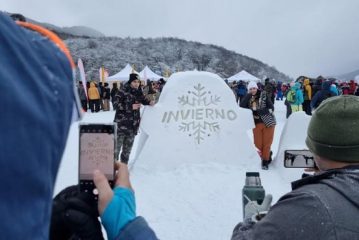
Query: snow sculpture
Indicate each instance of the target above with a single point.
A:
(196, 120)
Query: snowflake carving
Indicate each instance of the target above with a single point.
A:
(197, 98)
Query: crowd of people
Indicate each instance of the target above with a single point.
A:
(320, 206)
(304, 94)
(97, 95)
(126, 100)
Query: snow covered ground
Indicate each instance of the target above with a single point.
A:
(192, 201)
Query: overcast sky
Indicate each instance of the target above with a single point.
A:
(307, 37)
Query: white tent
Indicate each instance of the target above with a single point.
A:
(244, 76)
(122, 75)
(147, 73)
(357, 79)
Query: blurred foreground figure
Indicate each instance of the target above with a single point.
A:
(38, 105)
(37, 68)
(324, 205)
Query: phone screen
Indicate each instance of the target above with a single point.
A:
(97, 151)
(299, 159)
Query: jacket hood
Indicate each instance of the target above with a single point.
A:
(296, 86)
(92, 84)
(306, 81)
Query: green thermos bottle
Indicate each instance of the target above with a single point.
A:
(253, 189)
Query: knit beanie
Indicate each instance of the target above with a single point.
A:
(252, 84)
(133, 76)
(333, 131)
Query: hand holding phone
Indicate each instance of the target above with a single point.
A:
(96, 152)
(122, 179)
(117, 207)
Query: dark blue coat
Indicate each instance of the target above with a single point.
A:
(321, 95)
(138, 229)
(37, 94)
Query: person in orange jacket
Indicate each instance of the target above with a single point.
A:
(94, 98)
(307, 92)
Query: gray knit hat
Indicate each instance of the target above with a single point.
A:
(333, 131)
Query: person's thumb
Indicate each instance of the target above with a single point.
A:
(104, 190)
(123, 176)
(266, 202)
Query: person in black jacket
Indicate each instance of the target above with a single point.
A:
(113, 92)
(127, 105)
(323, 206)
(321, 95)
(262, 108)
(270, 89)
(82, 95)
(106, 94)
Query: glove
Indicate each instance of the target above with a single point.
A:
(119, 211)
(253, 208)
(75, 216)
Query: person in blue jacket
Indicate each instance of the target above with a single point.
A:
(298, 100)
(36, 66)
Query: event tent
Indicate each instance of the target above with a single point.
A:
(122, 75)
(244, 76)
(147, 73)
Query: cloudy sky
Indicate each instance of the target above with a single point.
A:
(307, 37)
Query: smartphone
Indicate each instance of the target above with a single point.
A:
(97, 143)
(299, 159)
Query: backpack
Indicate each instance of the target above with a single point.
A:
(291, 96)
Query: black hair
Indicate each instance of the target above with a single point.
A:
(18, 17)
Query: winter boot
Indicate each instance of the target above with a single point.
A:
(265, 164)
(270, 157)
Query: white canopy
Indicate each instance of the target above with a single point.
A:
(122, 75)
(147, 73)
(244, 76)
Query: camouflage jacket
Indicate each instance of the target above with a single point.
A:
(128, 120)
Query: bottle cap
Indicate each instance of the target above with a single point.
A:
(253, 179)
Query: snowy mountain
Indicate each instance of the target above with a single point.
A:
(349, 76)
(163, 55)
(83, 31)
(66, 32)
